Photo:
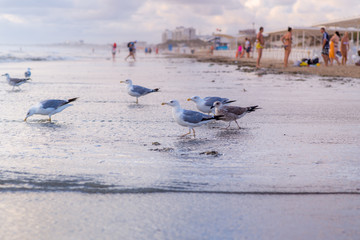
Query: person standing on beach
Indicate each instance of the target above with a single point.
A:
(247, 47)
(334, 43)
(113, 51)
(325, 46)
(344, 48)
(239, 51)
(287, 41)
(131, 46)
(260, 42)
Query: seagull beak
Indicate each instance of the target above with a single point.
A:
(122, 81)
(211, 107)
(164, 103)
(25, 119)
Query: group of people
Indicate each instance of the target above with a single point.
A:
(247, 48)
(330, 46)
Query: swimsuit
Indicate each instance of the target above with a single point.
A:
(259, 46)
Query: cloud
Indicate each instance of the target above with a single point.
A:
(121, 20)
(12, 18)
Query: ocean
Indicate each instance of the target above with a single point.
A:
(108, 168)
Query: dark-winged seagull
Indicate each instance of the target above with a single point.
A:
(15, 82)
(49, 107)
(136, 90)
(188, 118)
(204, 104)
(231, 113)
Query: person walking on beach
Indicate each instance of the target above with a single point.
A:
(113, 51)
(287, 41)
(259, 45)
(247, 47)
(132, 49)
(334, 43)
(325, 46)
(344, 48)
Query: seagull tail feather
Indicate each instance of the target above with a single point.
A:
(156, 89)
(252, 108)
(71, 99)
(217, 117)
(230, 101)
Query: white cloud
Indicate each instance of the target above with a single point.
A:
(12, 18)
(121, 20)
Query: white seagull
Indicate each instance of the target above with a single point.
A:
(49, 107)
(136, 90)
(188, 118)
(28, 73)
(204, 104)
(231, 113)
(15, 82)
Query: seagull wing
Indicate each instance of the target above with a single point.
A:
(53, 103)
(193, 116)
(141, 90)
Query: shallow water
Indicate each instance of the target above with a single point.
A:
(305, 139)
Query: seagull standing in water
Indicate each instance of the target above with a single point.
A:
(205, 104)
(15, 82)
(188, 118)
(136, 90)
(28, 73)
(49, 107)
(231, 113)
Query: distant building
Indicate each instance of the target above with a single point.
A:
(179, 34)
(167, 35)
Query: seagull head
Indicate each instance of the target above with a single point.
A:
(6, 75)
(194, 99)
(172, 103)
(31, 112)
(127, 81)
(217, 104)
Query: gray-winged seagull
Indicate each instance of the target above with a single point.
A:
(49, 107)
(136, 90)
(188, 118)
(15, 82)
(204, 104)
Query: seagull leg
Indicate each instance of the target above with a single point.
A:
(137, 100)
(186, 133)
(49, 118)
(228, 126)
(237, 124)
(194, 132)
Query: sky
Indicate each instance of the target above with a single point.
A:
(107, 21)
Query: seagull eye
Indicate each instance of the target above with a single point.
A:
(171, 101)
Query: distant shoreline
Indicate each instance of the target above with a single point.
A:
(276, 66)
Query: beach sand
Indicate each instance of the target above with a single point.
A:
(107, 168)
(277, 66)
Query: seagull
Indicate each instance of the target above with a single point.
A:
(136, 90)
(49, 107)
(231, 113)
(27, 73)
(188, 118)
(15, 82)
(204, 105)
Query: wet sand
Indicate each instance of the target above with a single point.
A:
(276, 66)
(109, 168)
